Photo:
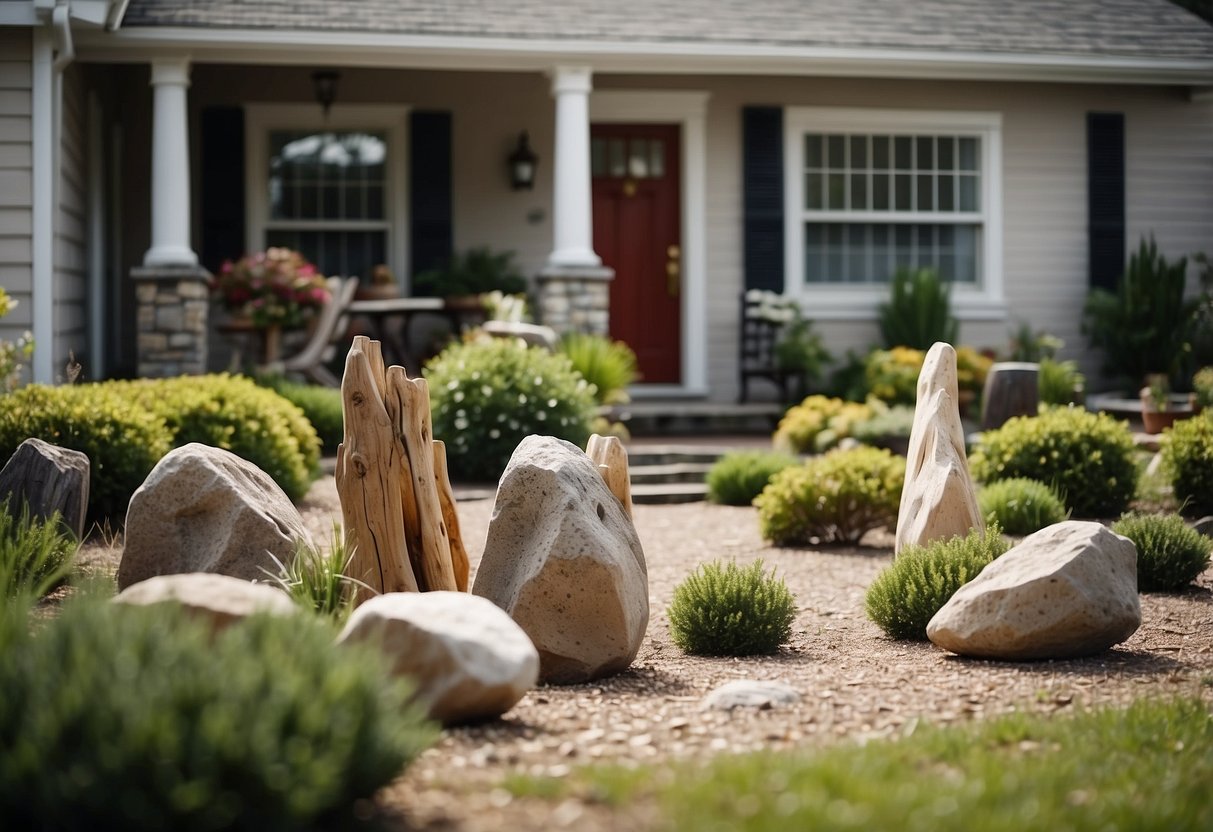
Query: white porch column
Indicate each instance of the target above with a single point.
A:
(572, 222)
(170, 166)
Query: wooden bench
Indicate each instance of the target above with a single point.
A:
(760, 333)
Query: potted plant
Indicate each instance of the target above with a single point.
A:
(467, 276)
(382, 285)
(1159, 408)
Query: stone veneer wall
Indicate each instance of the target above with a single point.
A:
(172, 312)
(575, 299)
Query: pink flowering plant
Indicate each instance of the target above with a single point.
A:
(273, 287)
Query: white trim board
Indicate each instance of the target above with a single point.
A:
(689, 111)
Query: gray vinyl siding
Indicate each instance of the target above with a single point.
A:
(16, 178)
(71, 257)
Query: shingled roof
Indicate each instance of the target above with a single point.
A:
(1154, 29)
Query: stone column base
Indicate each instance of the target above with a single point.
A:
(575, 298)
(172, 309)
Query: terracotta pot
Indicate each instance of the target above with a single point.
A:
(1156, 421)
(377, 291)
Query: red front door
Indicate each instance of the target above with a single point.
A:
(637, 232)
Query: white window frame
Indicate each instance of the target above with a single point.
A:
(391, 120)
(860, 301)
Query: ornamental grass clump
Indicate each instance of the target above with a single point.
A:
(139, 718)
(908, 593)
(731, 610)
(608, 365)
(1187, 457)
(838, 497)
(316, 580)
(35, 555)
(1170, 553)
(1086, 458)
(1020, 506)
(738, 477)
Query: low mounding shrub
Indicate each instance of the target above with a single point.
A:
(1170, 553)
(907, 594)
(1187, 456)
(610, 366)
(1020, 506)
(487, 396)
(35, 555)
(888, 427)
(122, 439)
(138, 719)
(738, 477)
(836, 497)
(817, 424)
(731, 611)
(321, 406)
(1086, 458)
(892, 375)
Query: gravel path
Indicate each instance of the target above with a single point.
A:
(855, 683)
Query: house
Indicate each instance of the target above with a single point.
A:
(686, 151)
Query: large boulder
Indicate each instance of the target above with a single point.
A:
(1068, 590)
(938, 500)
(469, 660)
(563, 559)
(217, 599)
(204, 509)
(48, 479)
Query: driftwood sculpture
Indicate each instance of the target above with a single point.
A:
(608, 453)
(400, 519)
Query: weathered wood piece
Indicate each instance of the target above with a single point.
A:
(450, 517)
(49, 479)
(611, 459)
(369, 470)
(1011, 389)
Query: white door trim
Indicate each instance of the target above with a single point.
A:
(689, 111)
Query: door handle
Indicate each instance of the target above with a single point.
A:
(673, 278)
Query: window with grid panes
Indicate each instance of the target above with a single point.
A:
(328, 197)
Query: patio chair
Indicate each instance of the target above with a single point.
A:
(758, 337)
(330, 330)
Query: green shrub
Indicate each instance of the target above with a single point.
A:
(1202, 384)
(836, 497)
(892, 375)
(136, 718)
(817, 424)
(474, 272)
(487, 396)
(907, 594)
(731, 611)
(738, 477)
(1086, 458)
(321, 406)
(1060, 382)
(887, 425)
(1187, 457)
(35, 555)
(235, 414)
(1020, 506)
(316, 579)
(123, 440)
(610, 366)
(802, 350)
(1170, 553)
(918, 312)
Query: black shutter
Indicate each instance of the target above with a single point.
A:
(221, 149)
(430, 190)
(762, 169)
(1105, 198)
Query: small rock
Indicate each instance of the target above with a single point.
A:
(219, 599)
(48, 479)
(747, 693)
(469, 659)
(563, 559)
(204, 509)
(1205, 526)
(1068, 590)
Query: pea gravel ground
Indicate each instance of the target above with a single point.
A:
(856, 684)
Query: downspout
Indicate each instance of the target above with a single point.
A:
(42, 286)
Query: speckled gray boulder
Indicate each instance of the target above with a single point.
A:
(563, 559)
(220, 600)
(748, 693)
(204, 509)
(1068, 590)
(468, 658)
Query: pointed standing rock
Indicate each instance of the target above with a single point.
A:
(938, 500)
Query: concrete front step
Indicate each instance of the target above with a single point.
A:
(663, 493)
(674, 472)
(664, 455)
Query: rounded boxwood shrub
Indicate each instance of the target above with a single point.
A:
(731, 611)
(1170, 553)
(1020, 506)
(131, 718)
(1187, 456)
(123, 439)
(907, 594)
(1086, 458)
(818, 423)
(738, 477)
(487, 396)
(836, 497)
